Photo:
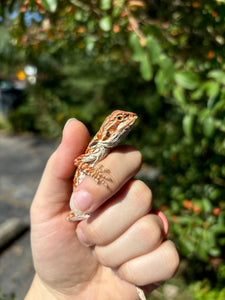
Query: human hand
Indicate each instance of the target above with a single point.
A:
(121, 245)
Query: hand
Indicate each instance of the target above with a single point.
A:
(121, 245)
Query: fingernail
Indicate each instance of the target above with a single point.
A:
(81, 200)
(163, 218)
(68, 121)
(82, 238)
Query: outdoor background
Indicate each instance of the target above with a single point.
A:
(164, 60)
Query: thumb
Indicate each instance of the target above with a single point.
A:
(53, 193)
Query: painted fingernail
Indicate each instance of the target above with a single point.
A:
(163, 219)
(81, 200)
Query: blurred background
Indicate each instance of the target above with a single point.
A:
(163, 60)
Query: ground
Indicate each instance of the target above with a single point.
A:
(22, 160)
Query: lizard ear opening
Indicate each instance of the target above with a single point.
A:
(106, 135)
(93, 144)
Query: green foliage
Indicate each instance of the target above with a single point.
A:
(203, 290)
(163, 60)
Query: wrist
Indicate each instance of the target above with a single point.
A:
(38, 290)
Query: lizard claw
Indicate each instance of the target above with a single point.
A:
(99, 175)
(101, 167)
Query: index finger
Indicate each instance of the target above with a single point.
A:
(123, 163)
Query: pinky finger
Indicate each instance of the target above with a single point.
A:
(151, 268)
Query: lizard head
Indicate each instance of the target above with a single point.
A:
(115, 127)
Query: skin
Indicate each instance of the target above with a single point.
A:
(121, 245)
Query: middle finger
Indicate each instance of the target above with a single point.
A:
(132, 202)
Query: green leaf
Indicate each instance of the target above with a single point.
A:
(207, 205)
(215, 252)
(209, 127)
(154, 49)
(106, 23)
(106, 4)
(50, 5)
(146, 67)
(212, 88)
(187, 79)
(178, 94)
(217, 75)
(212, 102)
(188, 122)
(161, 82)
(198, 94)
(137, 50)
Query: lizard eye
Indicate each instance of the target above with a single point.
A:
(119, 118)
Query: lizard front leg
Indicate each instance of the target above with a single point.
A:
(98, 173)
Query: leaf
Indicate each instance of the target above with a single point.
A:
(178, 94)
(188, 122)
(160, 82)
(212, 102)
(154, 48)
(212, 89)
(215, 252)
(137, 50)
(106, 4)
(209, 127)
(146, 67)
(187, 79)
(50, 5)
(207, 205)
(198, 94)
(217, 75)
(106, 23)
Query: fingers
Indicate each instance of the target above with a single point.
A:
(142, 237)
(126, 238)
(132, 202)
(123, 163)
(156, 266)
(56, 184)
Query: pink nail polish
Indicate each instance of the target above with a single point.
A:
(163, 219)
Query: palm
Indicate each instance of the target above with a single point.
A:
(63, 263)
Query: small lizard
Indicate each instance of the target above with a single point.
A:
(115, 127)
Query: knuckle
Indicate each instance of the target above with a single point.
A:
(143, 194)
(172, 256)
(103, 258)
(138, 158)
(149, 230)
(94, 233)
(132, 154)
(127, 272)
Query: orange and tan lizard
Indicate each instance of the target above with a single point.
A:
(115, 127)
